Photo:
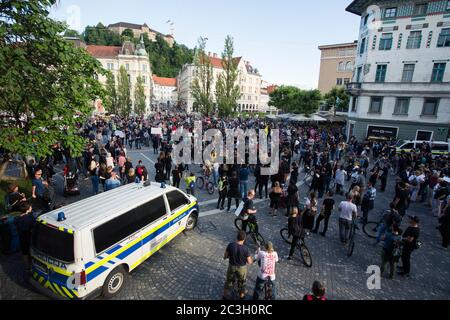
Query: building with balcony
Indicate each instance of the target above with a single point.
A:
(336, 65)
(249, 81)
(401, 82)
(133, 58)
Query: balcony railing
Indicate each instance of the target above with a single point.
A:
(353, 86)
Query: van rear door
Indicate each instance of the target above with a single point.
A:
(53, 259)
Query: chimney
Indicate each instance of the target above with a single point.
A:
(209, 54)
(215, 55)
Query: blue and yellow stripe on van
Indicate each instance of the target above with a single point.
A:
(94, 269)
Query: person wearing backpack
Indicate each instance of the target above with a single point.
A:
(410, 243)
(318, 293)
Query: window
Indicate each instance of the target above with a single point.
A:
(144, 67)
(354, 104)
(420, 9)
(381, 73)
(408, 72)
(144, 79)
(176, 200)
(129, 78)
(448, 5)
(414, 40)
(438, 72)
(127, 66)
(339, 81)
(366, 19)
(53, 243)
(362, 48)
(390, 13)
(341, 66)
(358, 74)
(386, 41)
(430, 107)
(346, 81)
(444, 38)
(120, 228)
(402, 106)
(110, 66)
(349, 66)
(376, 105)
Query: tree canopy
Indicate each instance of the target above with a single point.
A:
(227, 89)
(337, 97)
(294, 100)
(47, 85)
(201, 85)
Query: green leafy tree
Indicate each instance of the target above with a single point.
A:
(71, 33)
(294, 100)
(124, 93)
(101, 35)
(111, 99)
(128, 33)
(227, 89)
(338, 99)
(139, 97)
(47, 85)
(202, 82)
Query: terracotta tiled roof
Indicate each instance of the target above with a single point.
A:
(165, 82)
(217, 62)
(103, 51)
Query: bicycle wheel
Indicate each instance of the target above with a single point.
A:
(238, 223)
(210, 188)
(286, 236)
(306, 255)
(371, 229)
(200, 182)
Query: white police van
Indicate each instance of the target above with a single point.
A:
(89, 247)
(438, 148)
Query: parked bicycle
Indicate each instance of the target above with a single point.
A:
(301, 246)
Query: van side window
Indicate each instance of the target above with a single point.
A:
(408, 146)
(440, 147)
(176, 200)
(120, 228)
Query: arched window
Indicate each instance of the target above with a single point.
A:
(341, 66)
(349, 66)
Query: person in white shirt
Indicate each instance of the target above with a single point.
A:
(341, 174)
(267, 259)
(347, 213)
(415, 180)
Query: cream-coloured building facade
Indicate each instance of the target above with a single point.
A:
(139, 29)
(165, 90)
(249, 81)
(133, 58)
(336, 65)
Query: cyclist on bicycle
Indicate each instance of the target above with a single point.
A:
(249, 212)
(268, 259)
(295, 227)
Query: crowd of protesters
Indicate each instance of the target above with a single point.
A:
(359, 170)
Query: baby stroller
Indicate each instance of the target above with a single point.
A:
(70, 183)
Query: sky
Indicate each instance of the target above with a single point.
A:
(280, 38)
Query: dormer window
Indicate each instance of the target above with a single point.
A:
(390, 13)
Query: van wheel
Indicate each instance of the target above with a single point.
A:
(192, 221)
(114, 282)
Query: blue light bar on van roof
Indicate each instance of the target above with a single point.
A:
(61, 217)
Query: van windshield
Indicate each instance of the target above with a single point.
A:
(53, 243)
(400, 143)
